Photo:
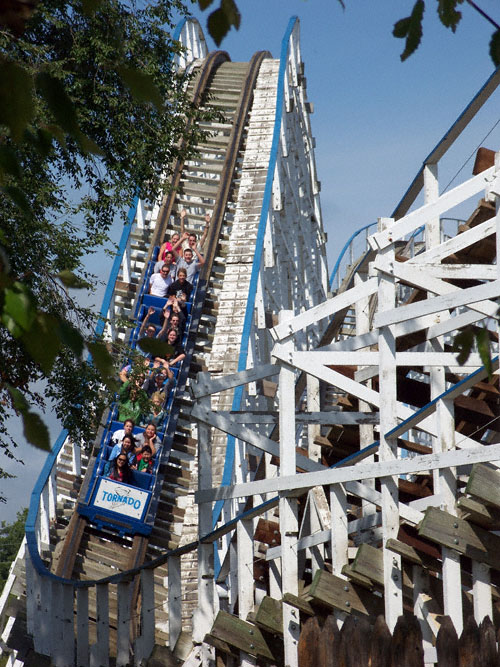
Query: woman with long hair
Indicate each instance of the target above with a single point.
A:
(119, 469)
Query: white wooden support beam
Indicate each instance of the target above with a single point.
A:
(464, 297)
(44, 514)
(329, 417)
(82, 627)
(366, 431)
(76, 458)
(207, 386)
(32, 597)
(174, 600)
(288, 507)
(393, 594)
(204, 614)
(204, 415)
(68, 625)
(339, 535)
(244, 532)
(56, 623)
(357, 389)
(456, 244)
(325, 309)
(417, 218)
(416, 276)
(298, 484)
(481, 591)
(314, 428)
(46, 628)
(147, 616)
(99, 656)
(52, 495)
(123, 624)
(455, 271)
(431, 195)
(410, 359)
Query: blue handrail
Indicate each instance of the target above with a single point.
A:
(345, 249)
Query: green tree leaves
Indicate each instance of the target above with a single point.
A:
(464, 342)
(141, 86)
(16, 96)
(34, 429)
(410, 28)
(495, 48)
(91, 113)
(219, 22)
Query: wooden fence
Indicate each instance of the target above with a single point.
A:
(359, 644)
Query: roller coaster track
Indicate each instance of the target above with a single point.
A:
(290, 526)
(91, 554)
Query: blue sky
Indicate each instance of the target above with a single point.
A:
(375, 119)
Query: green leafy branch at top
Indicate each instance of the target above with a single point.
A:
(219, 21)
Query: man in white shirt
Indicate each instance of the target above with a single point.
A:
(160, 282)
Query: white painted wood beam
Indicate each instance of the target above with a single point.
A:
(206, 385)
(325, 309)
(417, 218)
(299, 483)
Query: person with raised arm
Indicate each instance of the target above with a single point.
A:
(191, 236)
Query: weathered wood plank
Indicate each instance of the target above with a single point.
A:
(469, 645)
(447, 644)
(336, 593)
(457, 534)
(487, 644)
(476, 512)
(484, 484)
(354, 649)
(328, 649)
(229, 629)
(269, 615)
(407, 647)
(309, 641)
(301, 602)
(380, 644)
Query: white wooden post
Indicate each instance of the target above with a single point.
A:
(361, 308)
(388, 446)
(76, 459)
(288, 506)
(32, 598)
(126, 263)
(123, 624)
(452, 581)
(444, 480)
(244, 530)
(174, 600)
(46, 627)
(139, 216)
(63, 651)
(339, 539)
(100, 651)
(44, 512)
(52, 494)
(204, 615)
(82, 627)
(147, 613)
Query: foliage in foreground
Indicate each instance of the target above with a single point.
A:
(91, 113)
(11, 536)
(409, 28)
